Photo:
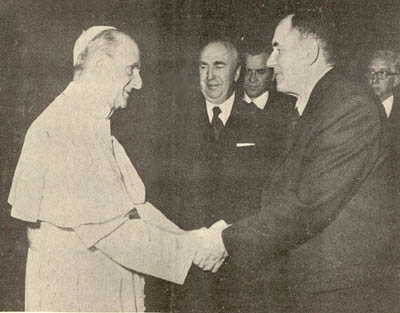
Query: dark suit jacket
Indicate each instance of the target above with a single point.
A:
(393, 123)
(328, 218)
(394, 117)
(274, 122)
(216, 180)
(279, 105)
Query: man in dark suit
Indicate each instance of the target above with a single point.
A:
(325, 237)
(275, 110)
(258, 83)
(217, 161)
(383, 75)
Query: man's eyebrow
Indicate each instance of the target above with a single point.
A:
(219, 63)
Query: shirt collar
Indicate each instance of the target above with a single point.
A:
(260, 101)
(226, 109)
(388, 104)
(301, 103)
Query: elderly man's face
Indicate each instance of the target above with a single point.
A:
(383, 88)
(122, 74)
(288, 58)
(258, 77)
(217, 73)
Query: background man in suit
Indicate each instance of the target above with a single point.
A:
(274, 109)
(216, 161)
(258, 78)
(383, 75)
(258, 84)
(326, 229)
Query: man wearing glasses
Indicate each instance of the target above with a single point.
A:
(383, 77)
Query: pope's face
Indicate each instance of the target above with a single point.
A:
(218, 72)
(258, 77)
(123, 74)
(287, 58)
(383, 88)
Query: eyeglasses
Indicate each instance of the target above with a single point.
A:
(381, 74)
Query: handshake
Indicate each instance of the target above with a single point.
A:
(209, 247)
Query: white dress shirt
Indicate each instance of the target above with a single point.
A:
(226, 109)
(388, 104)
(301, 104)
(260, 101)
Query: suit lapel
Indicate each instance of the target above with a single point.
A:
(233, 121)
(197, 129)
(271, 101)
(394, 117)
(298, 126)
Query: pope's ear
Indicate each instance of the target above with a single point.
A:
(237, 73)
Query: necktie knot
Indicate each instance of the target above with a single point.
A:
(216, 111)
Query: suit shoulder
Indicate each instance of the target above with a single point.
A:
(243, 115)
(244, 107)
(338, 96)
(345, 92)
(284, 98)
(281, 103)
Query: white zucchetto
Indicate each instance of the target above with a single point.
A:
(86, 37)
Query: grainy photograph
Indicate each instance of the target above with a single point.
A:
(194, 156)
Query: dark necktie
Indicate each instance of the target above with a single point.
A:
(293, 121)
(216, 122)
(295, 118)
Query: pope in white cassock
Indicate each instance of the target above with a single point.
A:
(96, 233)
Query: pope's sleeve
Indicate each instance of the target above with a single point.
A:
(28, 183)
(149, 243)
(150, 250)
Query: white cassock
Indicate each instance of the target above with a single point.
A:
(77, 181)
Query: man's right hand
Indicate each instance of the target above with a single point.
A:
(210, 250)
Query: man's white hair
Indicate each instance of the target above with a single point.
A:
(390, 55)
(228, 46)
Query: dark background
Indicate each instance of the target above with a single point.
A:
(37, 38)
